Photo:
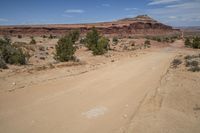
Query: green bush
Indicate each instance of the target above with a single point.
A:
(101, 47)
(33, 41)
(192, 63)
(176, 62)
(65, 49)
(196, 43)
(92, 39)
(17, 57)
(10, 54)
(3, 63)
(74, 35)
(194, 69)
(187, 42)
(193, 42)
(115, 40)
(83, 41)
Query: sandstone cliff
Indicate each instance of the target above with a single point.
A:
(140, 25)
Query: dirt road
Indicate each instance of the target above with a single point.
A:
(106, 100)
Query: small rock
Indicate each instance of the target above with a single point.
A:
(13, 83)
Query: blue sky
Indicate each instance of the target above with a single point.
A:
(172, 12)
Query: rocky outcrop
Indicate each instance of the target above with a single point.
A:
(140, 25)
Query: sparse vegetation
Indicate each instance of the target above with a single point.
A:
(19, 36)
(176, 62)
(92, 39)
(194, 69)
(187, 42)
(167, 39)
(193, 42)
(192, 62)
(33, 41)
(196, 43)
(52, 36)
(115, 40)
(41, 48)
(3, 63)
(99, 45)
(10, 54)
(74, 35)
(65, 48)
(147, 44)
(44, 36)
(83, 40)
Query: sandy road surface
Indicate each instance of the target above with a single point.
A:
(101, 101)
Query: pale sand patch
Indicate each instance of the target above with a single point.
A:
(95, 112)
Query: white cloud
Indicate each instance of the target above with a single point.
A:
(106, 5)
(3, 20)
(158, 2)
(74, 11)
(187, 5)
(183, 13)
(130, 9)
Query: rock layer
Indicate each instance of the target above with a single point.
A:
(140, 25)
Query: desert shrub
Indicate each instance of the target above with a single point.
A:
(194, 69)
(92, 39)
(192, 63)
(17, 57)
(41, 48)
(10, 54)
(101, 47)
(196, 42)
(115, 40)
(133, 43)
(147, 42)
(74, 35)
(65, 49)
(172, 40)
(6, 39)
(189, 57)
(158, 39)
(187, 42)
(166, 39)
(51, 36)
(19, 36)
(3, 63)
(83, 40)
(176, 62)
(33, 41)
(44, 36)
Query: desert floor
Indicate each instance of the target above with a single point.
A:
(139, 93)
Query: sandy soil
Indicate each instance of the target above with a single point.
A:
(136, 94)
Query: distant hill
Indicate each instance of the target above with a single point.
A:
(139, 25)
